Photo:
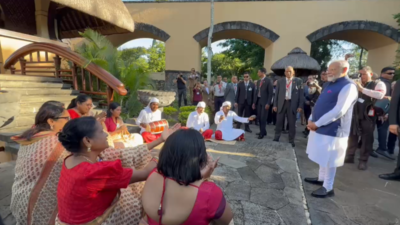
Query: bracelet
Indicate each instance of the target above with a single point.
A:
(155, 159)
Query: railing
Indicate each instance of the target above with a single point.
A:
(45, 59)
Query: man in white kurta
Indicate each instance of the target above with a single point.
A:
(149, 114)
(330, 127)
(199, 121)
(224, 120)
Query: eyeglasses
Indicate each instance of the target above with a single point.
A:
(390, 74)
(63, 117)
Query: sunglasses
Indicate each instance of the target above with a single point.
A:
(390, 74)
(246, 76)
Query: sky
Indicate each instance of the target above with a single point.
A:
(146, 42)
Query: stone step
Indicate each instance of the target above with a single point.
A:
(6, 134)
(45, 98)
(40, 91)
(38, 79)
(29, 84)
(31, 108)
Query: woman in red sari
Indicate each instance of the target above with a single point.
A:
(176, 192)
(80, 106)
(89, 188)
(117, 130)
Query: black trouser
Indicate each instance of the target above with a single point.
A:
(271, 116)
(245, 109)
(280, 121)
(181, 93)
(195, 103)
(391, 143)
(383, 128)
(397, 170)
(262, 115)
(307, 114)
(367, 127)
(218, 102)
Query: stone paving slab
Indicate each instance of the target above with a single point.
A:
(261, 182)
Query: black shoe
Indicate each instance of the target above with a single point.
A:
(248, 130)
(384, 153)
(313, 180)
(373, 154)
(390, 176)
(322, 193)
(276, 139)
(349, 159)
(362, 165)
(293, 144)
(261, 136)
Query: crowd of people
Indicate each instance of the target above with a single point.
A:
(77, 167)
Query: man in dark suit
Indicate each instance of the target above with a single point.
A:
(289, 100)
(264, 97)
(230, 92)
(245, 99)
(394, 122)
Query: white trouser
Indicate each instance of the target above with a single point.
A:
(327, 175)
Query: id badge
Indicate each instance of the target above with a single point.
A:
(360, 100)
(250, 89)
(371, 112)
(198, 93)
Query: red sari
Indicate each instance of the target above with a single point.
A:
(87, 190)
(210, 204)
(73, 114)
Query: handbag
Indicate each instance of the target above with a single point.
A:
(382, 107)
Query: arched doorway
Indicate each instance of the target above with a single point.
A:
(380, 40)
(240, 30)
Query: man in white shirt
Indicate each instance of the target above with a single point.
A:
(219, 93)
(148, 115)
(329, 126)
(224, 120)
(199, 121)
(364, 117)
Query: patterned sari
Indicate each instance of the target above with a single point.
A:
(37, 171)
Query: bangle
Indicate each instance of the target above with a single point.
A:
(155, 159)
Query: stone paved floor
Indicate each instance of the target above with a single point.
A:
(265, 189)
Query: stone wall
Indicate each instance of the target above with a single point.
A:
(170, 76)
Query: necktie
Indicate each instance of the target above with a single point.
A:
(245, 92)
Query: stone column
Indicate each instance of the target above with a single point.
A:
(282, 47)
(181, 55)
(41, 14)
(381, 57)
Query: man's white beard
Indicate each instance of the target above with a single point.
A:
(334, 78)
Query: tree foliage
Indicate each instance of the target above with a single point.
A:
(322, 52)
(397, 61)
(133, 74)
(252, 55)
(156, 56)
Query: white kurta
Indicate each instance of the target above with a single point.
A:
(330, 151)
(147, 116)
(197, 121)
(226, 125)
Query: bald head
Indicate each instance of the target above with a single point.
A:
(289, 72)
(234, 79)
(337, 69)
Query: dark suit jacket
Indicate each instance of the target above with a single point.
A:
(266, 90)
(394, 117)
(297, 98)
(240, 95)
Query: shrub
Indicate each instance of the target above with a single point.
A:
(169, 110)
(172, 122)
(187, 108)
(183, 116)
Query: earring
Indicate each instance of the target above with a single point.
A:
(88, 149)
(51, 127)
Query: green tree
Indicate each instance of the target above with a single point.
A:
(134, 76)
(322, 51)
(130, 55)
(223, 65)
(397, 61)
(251, 54)
(156, 57)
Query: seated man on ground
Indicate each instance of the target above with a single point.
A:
(119, 134)
(224, 120)
(199, 121)
(148, 115)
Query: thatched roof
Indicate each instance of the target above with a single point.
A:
(112, 11)
(298, 59)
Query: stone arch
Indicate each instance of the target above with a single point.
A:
(239, 29)
(142, 30)
(357, 25)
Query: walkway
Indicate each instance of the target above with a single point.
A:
(260, 181)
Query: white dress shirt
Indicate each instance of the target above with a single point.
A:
(197, 121)
(288, 95)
